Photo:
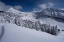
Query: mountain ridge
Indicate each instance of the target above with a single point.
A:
(11, 15)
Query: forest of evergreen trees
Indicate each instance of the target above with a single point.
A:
(38, 26)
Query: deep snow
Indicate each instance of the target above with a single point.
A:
(14, 33)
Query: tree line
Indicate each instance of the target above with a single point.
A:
(38, 26)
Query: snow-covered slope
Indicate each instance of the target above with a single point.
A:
(52, 16)
(13, 33)
(53, 22)
(29, 16)
(24, 15)
(11, 14)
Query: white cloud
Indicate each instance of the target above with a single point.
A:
(43, 6)
(36, 10)
(18, 7)
(4, 7)
(47, 5)
(61, 8)
(50, 4)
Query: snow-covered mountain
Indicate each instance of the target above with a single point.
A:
(13, 11)
(56, 13)
(49, 20)
(52, 16)
(11, 14)
(47, 16)
(24, 15)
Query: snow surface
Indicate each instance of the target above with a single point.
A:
(13, 33)
(52, 22)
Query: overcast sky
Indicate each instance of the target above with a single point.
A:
(30, 5)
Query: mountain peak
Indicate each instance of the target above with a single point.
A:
(11, 9)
